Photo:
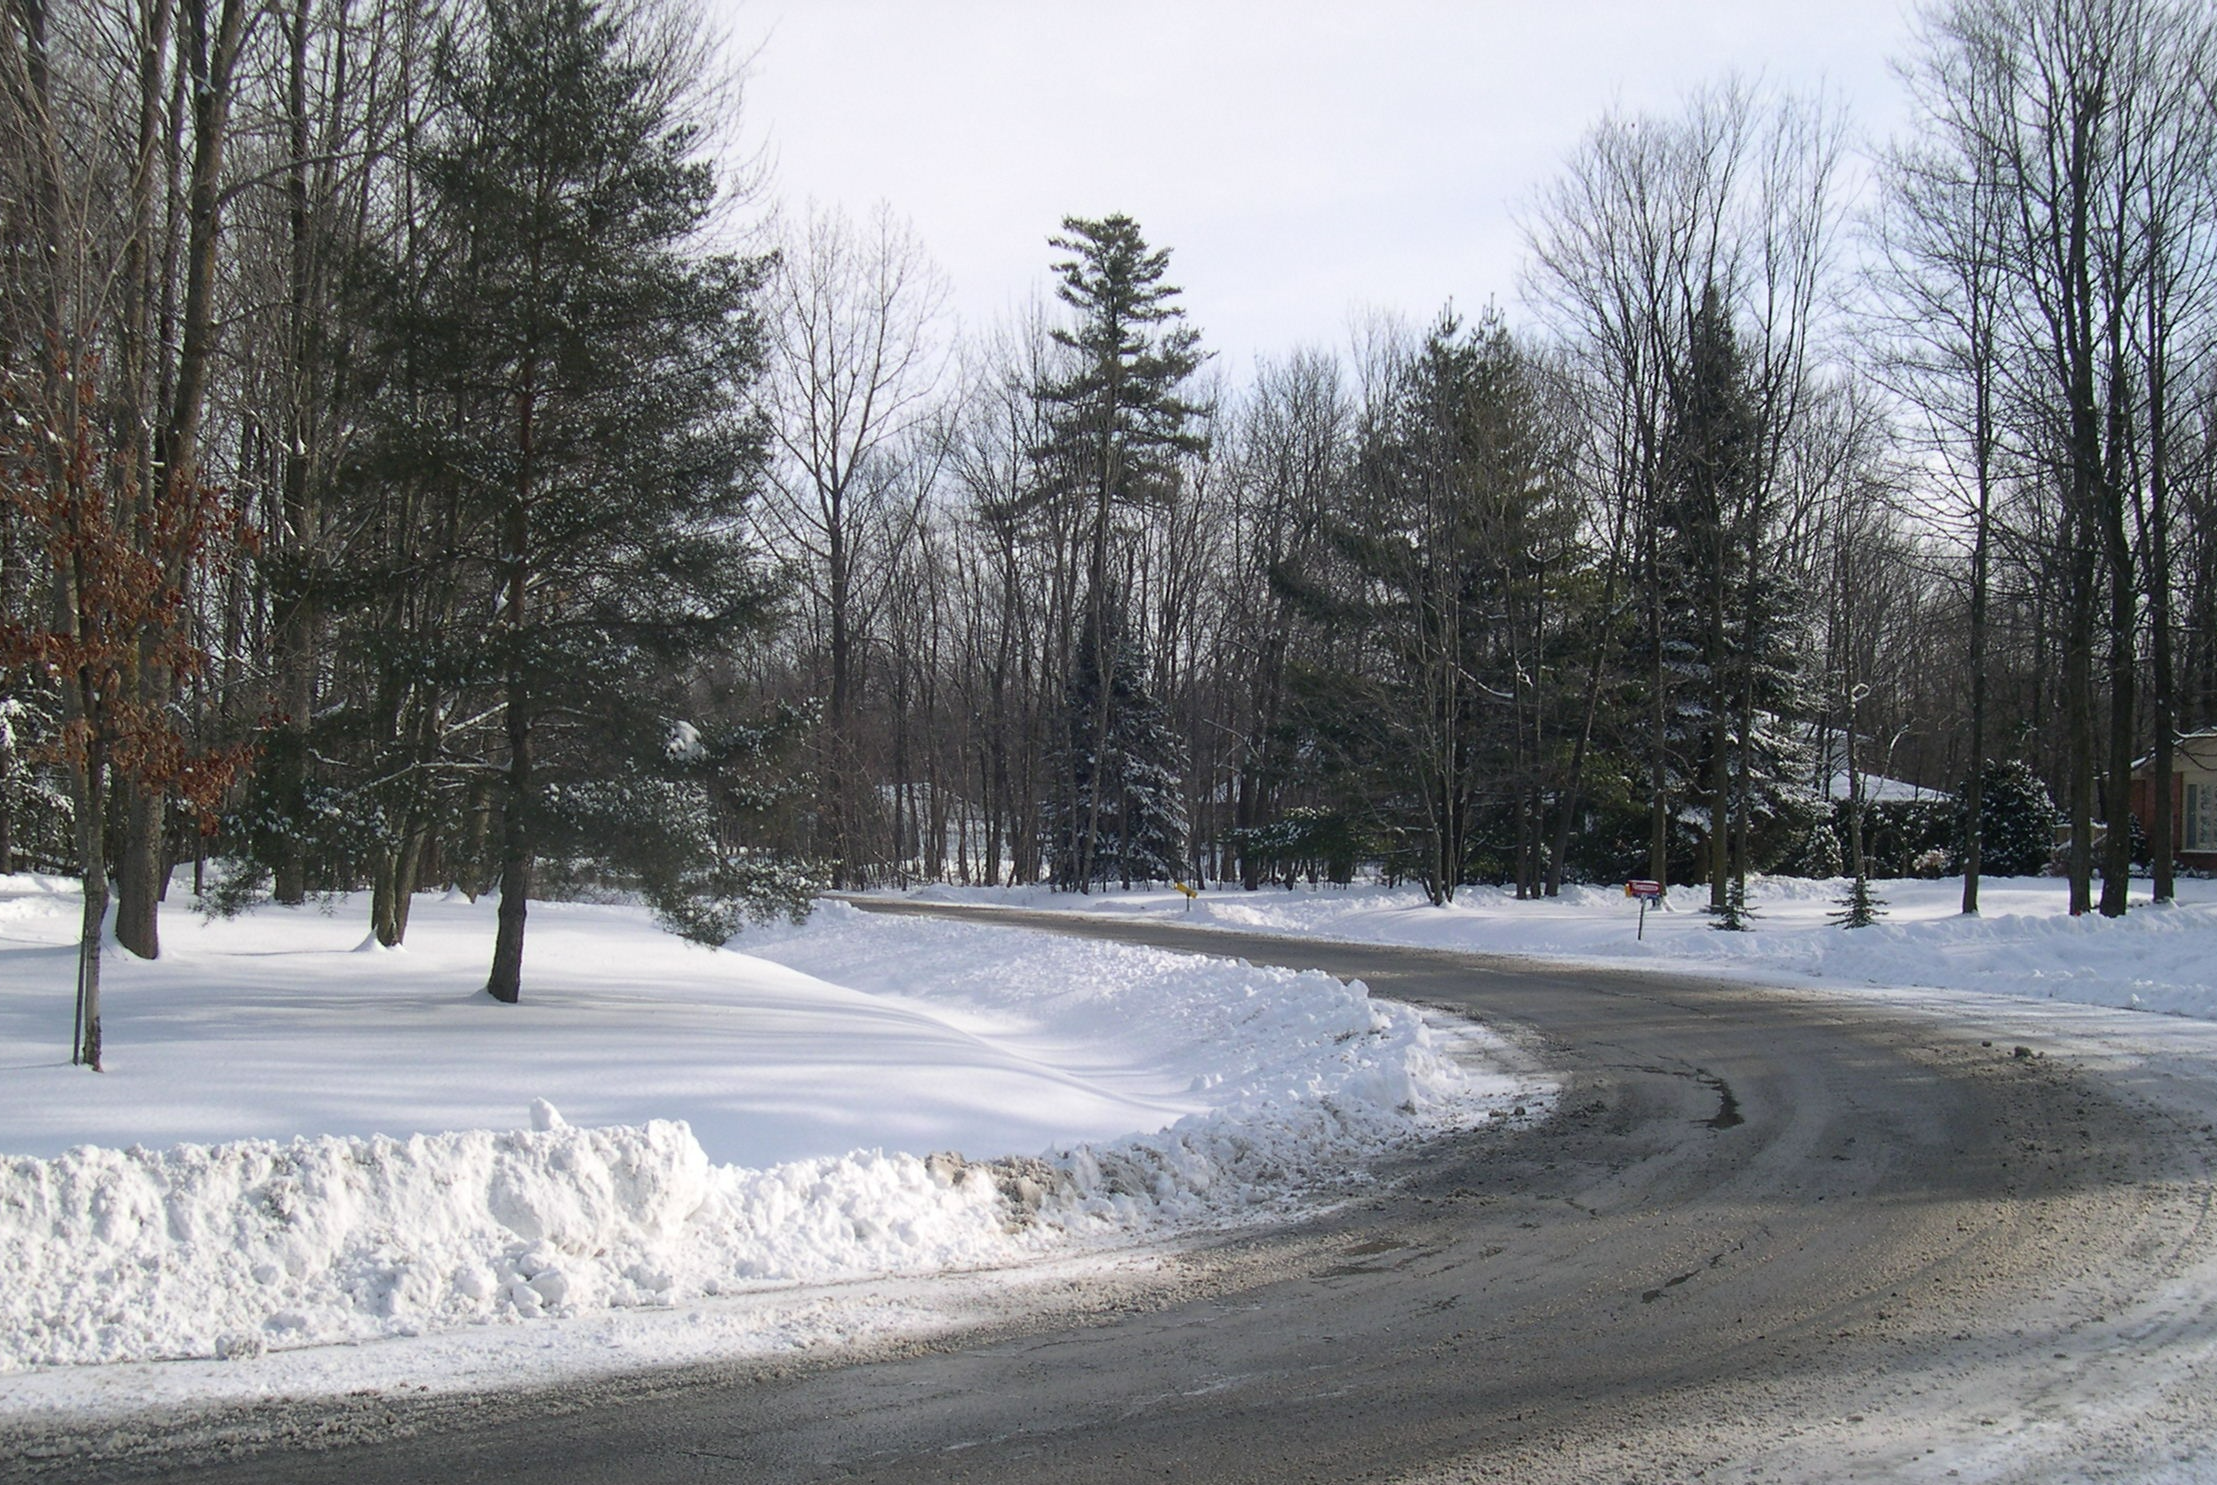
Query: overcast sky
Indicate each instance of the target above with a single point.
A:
(1303, 162)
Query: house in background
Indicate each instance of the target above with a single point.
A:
(2193, 798)
(1833, 777)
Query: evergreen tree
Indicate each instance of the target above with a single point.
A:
(586, 362)
(1861, 907)
(1731, 632)
(1133, 768)
(1709, 457)
(1118, 428)
(1438, 566)
(2017, 820)
(35, 809)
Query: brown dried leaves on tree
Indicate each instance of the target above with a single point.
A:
(118, 565)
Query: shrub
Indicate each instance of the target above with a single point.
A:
(2017, 820)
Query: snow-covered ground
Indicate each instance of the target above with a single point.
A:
(2022, 943)
(301, 1140)
(858, 1130)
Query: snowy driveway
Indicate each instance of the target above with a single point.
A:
(1816, 1235)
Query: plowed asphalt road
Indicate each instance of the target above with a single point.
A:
(1765, 1235)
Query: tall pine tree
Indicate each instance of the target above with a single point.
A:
(1730, 632)
(1119, 427)
(589, 361)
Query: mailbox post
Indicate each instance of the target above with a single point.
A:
(1646, 892)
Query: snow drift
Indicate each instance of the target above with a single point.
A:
(231, 1248)
(2025, 944)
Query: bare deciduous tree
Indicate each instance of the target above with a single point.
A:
(856, 360)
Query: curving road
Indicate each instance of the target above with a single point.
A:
(1766, 1235)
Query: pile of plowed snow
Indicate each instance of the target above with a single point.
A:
(1176, 1091)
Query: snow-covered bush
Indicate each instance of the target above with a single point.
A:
(2017, 820)
(1897, 833)
(664, 838)
(1315, 843)
(1819, 855)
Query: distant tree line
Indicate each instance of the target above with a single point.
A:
(1766, 500)
(409, 484)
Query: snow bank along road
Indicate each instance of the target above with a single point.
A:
(1798, 1235)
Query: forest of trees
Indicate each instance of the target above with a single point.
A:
(420, 466)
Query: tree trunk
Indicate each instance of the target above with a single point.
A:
(395, 877)
(1720, 812)
(87, 1051)
(1104, 664)
(471, 875)
(213, 57)
(295, 624)
(2123, 669)
(506, 981)
(839, 756)
(384, 878)
(141, 872)
(1721, 704)
(1658, 841)
(2162, 844)
(1857, 864)
(1570, 799)
(1974, 789)
(2163, 766)
(89, 781)
(2078, 717)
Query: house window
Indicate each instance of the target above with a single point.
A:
(2199, 832)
